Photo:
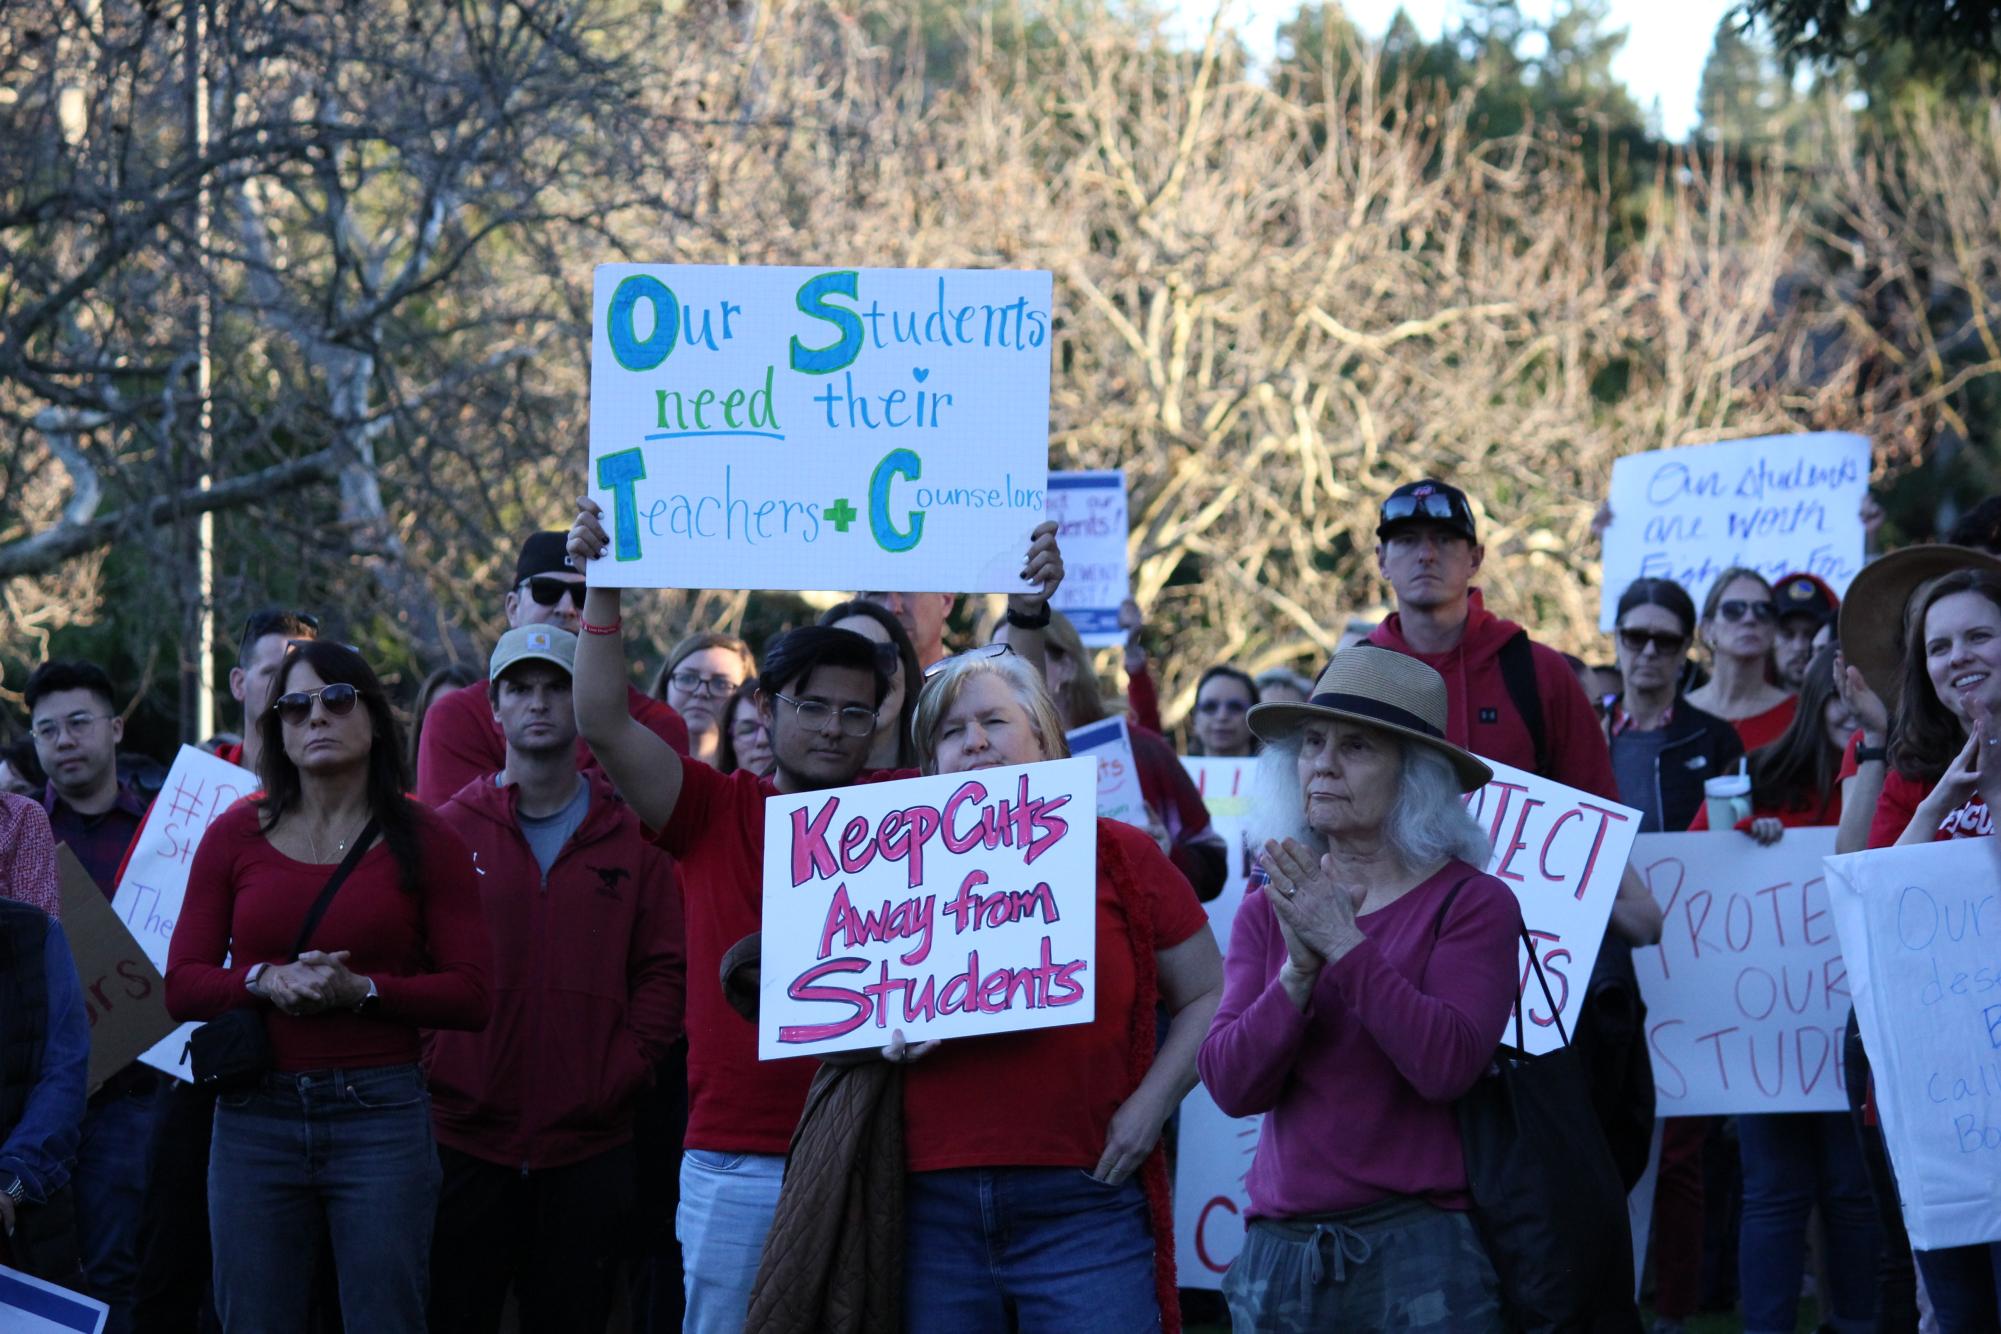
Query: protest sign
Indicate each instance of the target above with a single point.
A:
(1920, 931)
(1089, 509)
(1563, 853)
(123, 992)
(199, 788)
(1776, 504)
(1109, 743)
(28, 1305)
(950, 906)
(1213, 1153)
(1225, 784)
(818, 428)
(1747, 997)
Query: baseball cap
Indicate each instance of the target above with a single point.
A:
(1806, 595)
(1428, 501)
(544, 643)
(544, 553)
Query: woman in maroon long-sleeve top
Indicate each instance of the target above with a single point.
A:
(1371, 973)
(335, 1140)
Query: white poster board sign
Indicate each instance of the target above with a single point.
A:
(1920, 929)
(1747, 997)
(1090, 511)
(818, 427)
(950, 906)
(1109, 743)
(1225, 784)
(29, 1305)
(1778, 504)
(199, 788)
(1561, 851)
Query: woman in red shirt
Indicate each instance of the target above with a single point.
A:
(1037, 1193)
(335, 1140)
(1740, 623)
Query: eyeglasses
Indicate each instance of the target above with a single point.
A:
(1736, 609)
(276, 621)
(694, 683)
(548, 590)
(50, 730)
(995, 650)
(1664, 643)
(1217, 704)
(337, 699)
(813, 715)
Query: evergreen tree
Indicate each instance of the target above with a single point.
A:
(1744, 95)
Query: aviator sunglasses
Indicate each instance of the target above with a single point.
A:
(1736, 609)
(337, 699)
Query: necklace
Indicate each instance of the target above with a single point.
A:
(320, 856)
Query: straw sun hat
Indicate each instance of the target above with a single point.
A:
(1872, 613)
(1383, 688)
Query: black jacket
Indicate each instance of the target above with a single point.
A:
(1699, 746)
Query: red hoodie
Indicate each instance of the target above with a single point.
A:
(1484, 720)
(588, 985)
(461, 741)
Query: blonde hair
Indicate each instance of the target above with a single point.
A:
(942, 691)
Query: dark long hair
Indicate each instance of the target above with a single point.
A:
(388, 770)
(727, 760)
(1924, 733)
(906, 657)
(1798, 771)
(1241, 677)
(1666, 594)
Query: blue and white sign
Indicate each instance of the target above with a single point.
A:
(1090, 512)
(30, 1306)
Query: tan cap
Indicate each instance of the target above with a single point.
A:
(546, 643)
(1384, 688)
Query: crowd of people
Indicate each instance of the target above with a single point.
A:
(479, 994)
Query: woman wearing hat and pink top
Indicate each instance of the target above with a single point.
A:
(1371, 973)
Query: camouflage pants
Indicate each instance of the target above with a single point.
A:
(1399, 1265)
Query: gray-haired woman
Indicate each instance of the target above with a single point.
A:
(1370, 976)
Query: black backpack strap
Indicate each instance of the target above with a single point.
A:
(319, 908)
(1517, 664)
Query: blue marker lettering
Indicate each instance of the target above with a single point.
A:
(896, 463)
(633, 353)
(618, 473)
(813, 302)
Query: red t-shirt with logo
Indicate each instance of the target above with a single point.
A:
(1899, 802)
(1045, 1098)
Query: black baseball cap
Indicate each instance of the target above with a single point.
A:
(1428, 501)
(1806, 595)
(543, 553)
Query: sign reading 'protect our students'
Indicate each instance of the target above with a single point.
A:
(819, 428)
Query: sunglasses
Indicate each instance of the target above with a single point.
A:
(548, 590)
(999, 650)
(1663, 642)
(1437, 505)
(337, 699)
(1736, 609)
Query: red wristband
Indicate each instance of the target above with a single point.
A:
(611, 629)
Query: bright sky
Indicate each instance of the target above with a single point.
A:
(1666, 43)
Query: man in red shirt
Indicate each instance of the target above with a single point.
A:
(534, 1115)
(462, 741)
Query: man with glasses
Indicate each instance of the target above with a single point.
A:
(461, 740)
(76, 728)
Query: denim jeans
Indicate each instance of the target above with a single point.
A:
(344, 1155)
(1042, 1250)
(727, 1203)
(1964, 1284)
(113, 1161)
(1791, 1162)
(1400, 1264)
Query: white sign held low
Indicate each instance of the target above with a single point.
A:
(949, 906)
(1747, 996)
(1109, 743)
(1920, 931)
(1778, 504)
(199, 788)
(1089, 509)
(818, 428)
(1225, 784)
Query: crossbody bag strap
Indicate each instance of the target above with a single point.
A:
(319, 908)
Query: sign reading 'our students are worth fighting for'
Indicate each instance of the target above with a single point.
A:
(948, 906)
(818, 428)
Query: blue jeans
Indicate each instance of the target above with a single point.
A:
(1042, 1250)
(344, 1155)
(727, 1203)
(1793, 1160)
(113, 1162)
(1964, 1284)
